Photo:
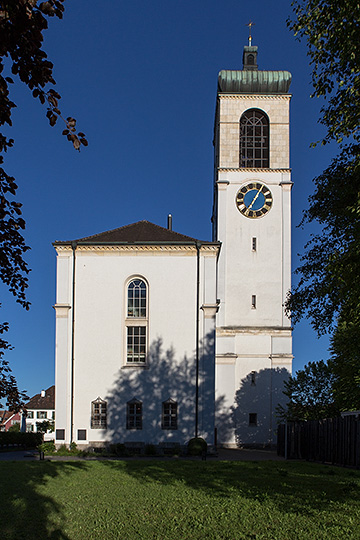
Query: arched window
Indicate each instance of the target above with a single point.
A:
(254, 140)
(169, 418)
(136, 322)
(137, 298)
(98, 414)
(134, 414)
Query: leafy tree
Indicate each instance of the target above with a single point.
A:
(332, 32)
(22, 23)
(345, 365)
(310, 394)
(45, 426)
(330, 267)
(15, 427)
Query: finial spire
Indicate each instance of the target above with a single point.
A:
(250, 24)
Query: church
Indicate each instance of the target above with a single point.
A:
(161, 337)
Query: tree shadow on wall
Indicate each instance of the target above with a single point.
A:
(165, 377)
(260, 399)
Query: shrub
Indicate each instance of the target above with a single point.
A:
(47, 447)
(26, 440)
(119, 450)
(197, 446)
(150, 450)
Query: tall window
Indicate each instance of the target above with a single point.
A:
(136, 298)
(254, 139)
(98, 414)
(169, 415)
(134, 414)
(136, 322)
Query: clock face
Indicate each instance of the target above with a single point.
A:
(254, 200)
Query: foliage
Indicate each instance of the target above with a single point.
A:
(22, 23)
(13, 438)
(345, 364)
(196, 446)
(170, 500)
(48, 447)
(330, 267)
(45, 426)
(310, 394)
(150, 450)
(332, 32)
(15, 427)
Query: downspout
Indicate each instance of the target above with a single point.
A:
(198, 245)
(73, 245)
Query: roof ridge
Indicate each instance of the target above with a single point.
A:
(113, 230)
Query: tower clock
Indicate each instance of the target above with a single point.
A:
(251, 219)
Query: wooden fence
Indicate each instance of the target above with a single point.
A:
(334, 440)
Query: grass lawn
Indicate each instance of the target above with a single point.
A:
(178, 500)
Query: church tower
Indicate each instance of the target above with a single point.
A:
(252, 219)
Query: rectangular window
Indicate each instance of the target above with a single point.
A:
(30, 414)
(41, 414)
(169, 415)
(252, 419)
(253, 243)
(98, 414)
(253, 301)
(81, 435)
(136, 344)
(29, 428)
(60, 434)
(134, 415)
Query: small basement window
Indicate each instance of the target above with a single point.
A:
(252, 419)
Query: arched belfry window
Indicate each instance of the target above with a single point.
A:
(136, 322)
(254, 140)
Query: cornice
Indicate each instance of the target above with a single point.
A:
(260, 97)
(233, 330)
(142, 248)
(243, 170)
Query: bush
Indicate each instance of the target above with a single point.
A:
(150, 450)
(25, 440)
(119, 450)
(197, 446)
(47, 447)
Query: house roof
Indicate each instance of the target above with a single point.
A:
(46, 402)
(5, 416)
(141, 232)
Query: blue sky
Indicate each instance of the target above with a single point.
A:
(141, 78)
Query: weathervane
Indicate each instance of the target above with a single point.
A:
(250, 25)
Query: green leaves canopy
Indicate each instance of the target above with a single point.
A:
(332, 31)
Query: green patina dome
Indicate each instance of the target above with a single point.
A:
(252, 81)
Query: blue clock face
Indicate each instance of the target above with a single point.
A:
(254, 200)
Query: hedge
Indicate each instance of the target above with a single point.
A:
(26, 440)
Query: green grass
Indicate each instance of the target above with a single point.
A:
(178, 500)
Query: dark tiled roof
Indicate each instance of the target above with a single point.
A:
(47, 402)
(139, 232)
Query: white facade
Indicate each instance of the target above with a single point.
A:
(253, 334)
(230, 291)
(91, 361)
(41, 408)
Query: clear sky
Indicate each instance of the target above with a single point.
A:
(140, 78)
